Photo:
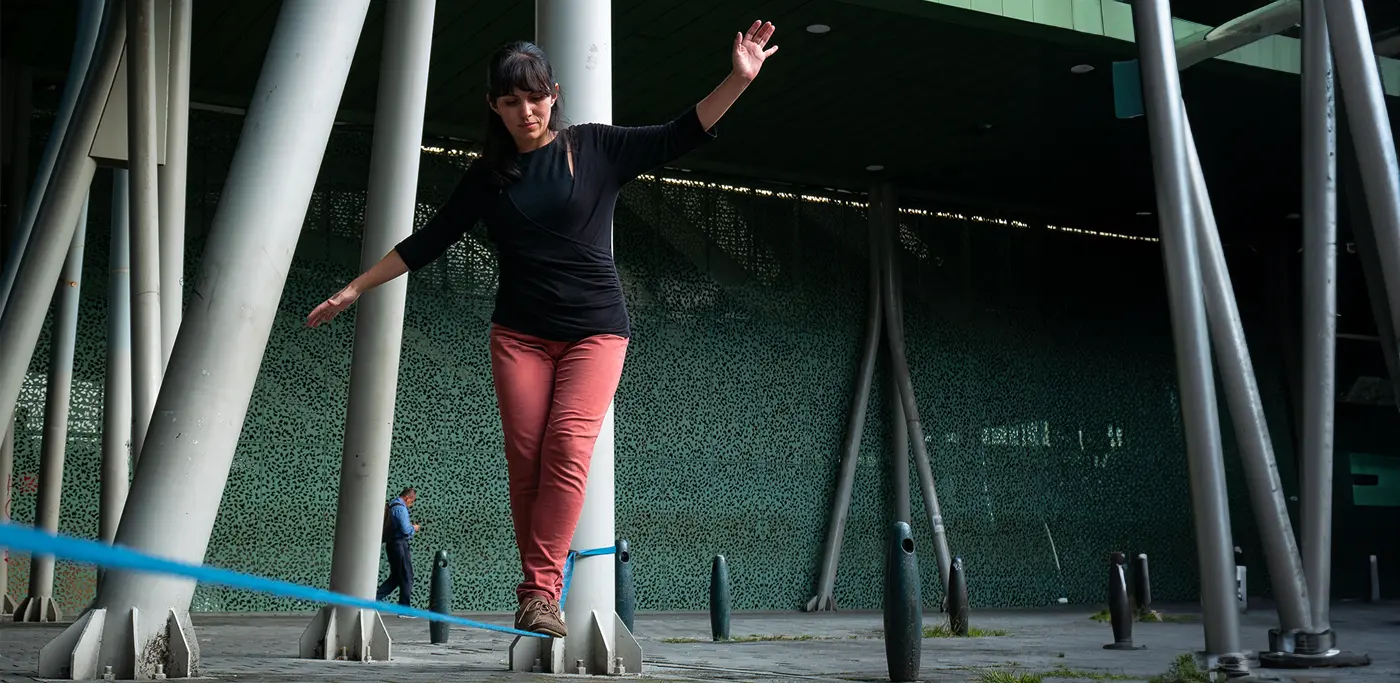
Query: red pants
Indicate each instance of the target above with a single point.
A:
(552, 397)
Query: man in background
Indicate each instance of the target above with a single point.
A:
(398, 530)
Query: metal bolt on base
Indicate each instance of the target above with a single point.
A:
(1302, 650)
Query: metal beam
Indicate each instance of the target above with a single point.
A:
(374, 368)
(1268, 20)
(1200, 415)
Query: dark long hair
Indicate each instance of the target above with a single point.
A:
(521, 65)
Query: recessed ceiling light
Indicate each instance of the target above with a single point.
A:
(1144, 213)
(875, 167)
(818, 28)
(1081, 68)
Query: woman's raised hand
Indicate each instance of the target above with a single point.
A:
(332, 307)
(749, 51)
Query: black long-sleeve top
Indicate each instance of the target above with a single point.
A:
(553, 230)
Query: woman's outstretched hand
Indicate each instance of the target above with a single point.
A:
(749, 51)
(332, 307)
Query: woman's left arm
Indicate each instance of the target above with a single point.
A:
(632, 151)
(748, 56)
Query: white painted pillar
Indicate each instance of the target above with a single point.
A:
(374, 371)
(116, 398)
(56, 200)
(90, 17)
(144, 203)
(39, 605)
(577, 37)
(139, 619)
(171, 178)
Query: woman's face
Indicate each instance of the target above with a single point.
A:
(526, 114)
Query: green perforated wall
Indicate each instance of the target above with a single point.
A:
(1041, 357)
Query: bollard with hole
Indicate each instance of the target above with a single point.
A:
(626, 590)
(958, 607)
(719, 598)
(1120, 613)
(1142, 585)
(440, 597)
(904, 618)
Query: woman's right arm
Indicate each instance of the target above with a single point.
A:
(417, 250)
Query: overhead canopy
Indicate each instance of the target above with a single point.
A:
(961, 107)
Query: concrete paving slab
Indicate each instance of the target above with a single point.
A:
(1063, 644)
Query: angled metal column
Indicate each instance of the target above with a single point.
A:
(899, 367)
(146, 365)
(116, 392)
(1268, 20)
(1364, 235)
(39, 605)
(171, 178)
(1162, 99)
(1247, 412)
(884, 214)
(21, 116)
(824, 600)
(17, 179)
(1319, 319)
(90, 18)
(139, 620)
(63, 202)
(374, 370)
(1374, 146)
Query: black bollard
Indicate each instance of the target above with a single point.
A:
(440, 597)
(625, 590)
(904, 619)
(1142, 585)
(719, 598)
(958, 609)
(1119, 611)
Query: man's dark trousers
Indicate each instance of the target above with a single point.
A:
(400, 572)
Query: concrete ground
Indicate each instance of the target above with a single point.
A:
(1063, 643)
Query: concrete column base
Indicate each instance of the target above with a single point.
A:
(365, 640)
(546, 655)
(36, 610)
(96, 645)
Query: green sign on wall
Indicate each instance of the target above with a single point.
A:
(1375, 480)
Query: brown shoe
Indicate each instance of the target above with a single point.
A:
(539, 615)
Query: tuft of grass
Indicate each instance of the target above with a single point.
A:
(942, 631)
(1182, 670)
(1062, 671)
(1103, 616)
(1154, 615)
(996, 676)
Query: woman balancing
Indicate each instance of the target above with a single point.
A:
(546, 193)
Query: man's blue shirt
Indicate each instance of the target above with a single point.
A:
(404, 529)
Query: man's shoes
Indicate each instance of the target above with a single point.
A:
(538, 615)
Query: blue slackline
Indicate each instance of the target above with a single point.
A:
(569, 567)
(39, 542)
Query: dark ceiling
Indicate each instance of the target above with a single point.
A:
(982, 113)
